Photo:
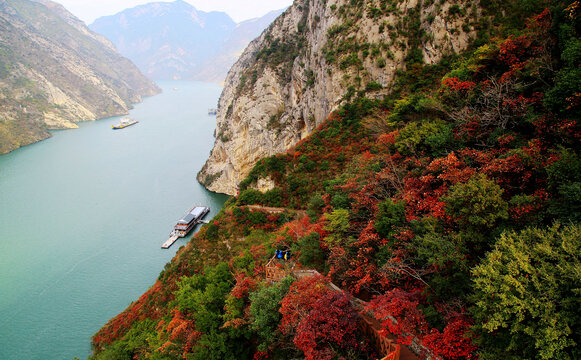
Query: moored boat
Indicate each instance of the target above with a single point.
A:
(185, 224)
(190, 219)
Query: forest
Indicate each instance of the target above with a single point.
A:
(451, 208)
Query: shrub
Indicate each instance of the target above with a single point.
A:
(527, 295)
(477, 204)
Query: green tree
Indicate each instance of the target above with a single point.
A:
(203, 295)
(564, 181)
(447, 258)
(203, 298)
(390, 215)
(250, 196)
(309, 250)
(337, 226)
(264, 306)
(568, 78)
(136, 344)
(527, 295)
(477, 205)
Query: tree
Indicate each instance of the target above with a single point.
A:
(477, 203)
(309, 250)
(564, 181)
(329, 329)
(300, 300)
(527, 293)
(264, 306)
(337, 226)
(399, 313)
(390, 215)
(454, 342)
(203, 296)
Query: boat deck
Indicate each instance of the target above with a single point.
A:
(169, 242)
(186, 224)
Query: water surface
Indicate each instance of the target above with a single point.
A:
(84, 213)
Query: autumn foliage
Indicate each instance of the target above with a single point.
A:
(408, 203)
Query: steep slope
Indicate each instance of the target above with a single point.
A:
(166, 40)
(452, 208)
(55, 72)
(216, 68)
(313, 58)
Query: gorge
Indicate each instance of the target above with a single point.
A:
(423, 156)
(55, 72)
(403, 181)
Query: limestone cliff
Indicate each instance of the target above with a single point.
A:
(55, 72)
(314, 57)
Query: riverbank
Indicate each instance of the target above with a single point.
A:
(84, 214)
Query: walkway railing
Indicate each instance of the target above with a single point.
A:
(384, 345)
(276, 271)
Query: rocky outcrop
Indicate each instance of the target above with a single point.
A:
(314, 57)
(55, 72)
(216, 68)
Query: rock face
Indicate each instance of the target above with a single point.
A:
(173, 40)
(216, 68)
(313, 58)
(55, 72)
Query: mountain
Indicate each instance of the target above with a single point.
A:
(311, 60)
(55, 72)
(434, 214)
(176, 41)
(216, 68)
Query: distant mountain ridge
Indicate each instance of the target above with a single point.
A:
(176, 41)
(216, 68)
(55, 72)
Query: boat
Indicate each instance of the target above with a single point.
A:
(125, 122)
(212, 111)
(184, 225)
(190, 219)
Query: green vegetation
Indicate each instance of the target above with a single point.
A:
(452, 206)
(527, 294)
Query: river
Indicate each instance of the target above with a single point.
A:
(84, 213)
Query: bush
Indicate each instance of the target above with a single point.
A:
(373, 86)
(272, 197)
(249, 197)
(264, 308)
(527, 295)
(477, 204)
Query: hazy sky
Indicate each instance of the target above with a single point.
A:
(89, 10)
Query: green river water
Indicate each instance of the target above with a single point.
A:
(84, 213)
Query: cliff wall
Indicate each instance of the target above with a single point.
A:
(55, 72)
(314, 57)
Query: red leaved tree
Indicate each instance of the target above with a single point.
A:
(329, 329)
(300, 300)
(454, 342)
